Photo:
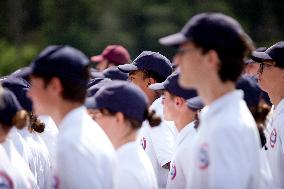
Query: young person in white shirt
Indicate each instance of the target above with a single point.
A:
(185, 118)
(226, 152)
(270, 73)
(121, 108)
(40, 161)
(84, 156)
(11, 113)
(158, 142)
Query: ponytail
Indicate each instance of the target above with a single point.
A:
(152, 118)
(36, 125)
(20, 119)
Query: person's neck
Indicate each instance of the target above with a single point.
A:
(62, 109)
(275, 99)
(213, 90)
(183, 120)
(119, 141)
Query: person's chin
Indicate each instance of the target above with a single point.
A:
(185, 82)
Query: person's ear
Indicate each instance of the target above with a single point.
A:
(213, 58)
(119, 117)
(55, 86)
(179, 101)
(151, 81)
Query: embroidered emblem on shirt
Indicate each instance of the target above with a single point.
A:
(173, 171)
(273, 138)
(55, 182)
(203, 156)
(143, 142)
(5, 181)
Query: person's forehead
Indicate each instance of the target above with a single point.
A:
(136, 72)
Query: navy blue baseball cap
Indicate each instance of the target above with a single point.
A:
(274, 54)
(94, 88)
(62, 61)
(23, 73)
(251, 89)
(20, 88)
(212, 29)
(171, 85)
(121, 96)
(260, 49)
(95, 73)
(114, 73)
(152, 61)
(195, 103)
(9, 106)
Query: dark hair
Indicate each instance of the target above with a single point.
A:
(154, 75)
(20, 120)
(151, 116)
(260, 113)
(35, 124)
(231, 59)
(72, 91)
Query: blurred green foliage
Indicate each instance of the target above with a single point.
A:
(27, 26)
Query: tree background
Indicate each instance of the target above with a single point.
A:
(27, 26)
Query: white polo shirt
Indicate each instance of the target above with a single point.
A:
(85, 157)
(158, 142)
(21, 146)
(179, 164)
(275, 144)
(49, 135)
(135, 170)
(226, 150)
(20, 170)
(41, 166)
(7, 181)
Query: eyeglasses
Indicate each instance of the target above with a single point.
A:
(265, 65)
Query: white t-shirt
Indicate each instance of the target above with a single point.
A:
(158, 142)
(7, 181)
(85, 158)
(179, 164)
(134, 170)
(20, 170)
(275, 144)
(226, 149)
(42, 167)
(49, 136)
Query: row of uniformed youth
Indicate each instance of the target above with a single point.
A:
(147, 132)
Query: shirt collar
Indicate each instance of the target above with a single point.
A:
(187, 130)
(279, 108)
(72, 117)
(221, 102)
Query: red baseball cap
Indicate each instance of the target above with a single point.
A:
(114, 53)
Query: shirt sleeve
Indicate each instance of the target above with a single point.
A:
(163, 142)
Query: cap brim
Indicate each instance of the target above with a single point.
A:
(97, 58)
(90, 103)
(195, 103)
(260, 57)
(173, 40)
(157, 86)
(126, 68)
(249, 61)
